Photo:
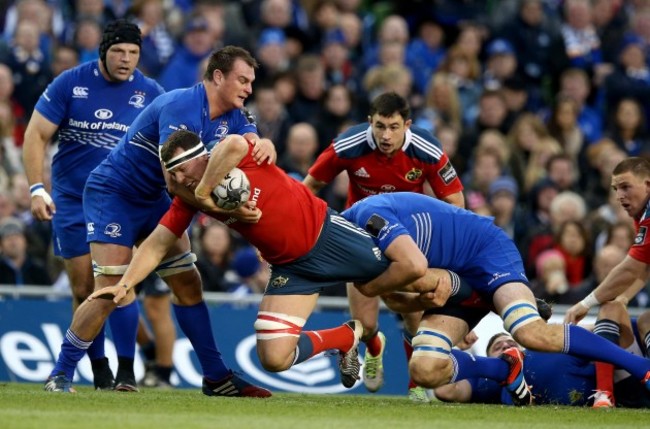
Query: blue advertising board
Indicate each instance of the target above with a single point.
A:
(31, 331)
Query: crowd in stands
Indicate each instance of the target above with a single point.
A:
(534, 101)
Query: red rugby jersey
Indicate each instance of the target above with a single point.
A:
(292, 216)
(420, 159)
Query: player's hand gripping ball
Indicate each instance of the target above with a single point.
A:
(233, 191)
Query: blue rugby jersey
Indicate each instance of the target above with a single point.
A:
(92, 114)
(448, 236)
(133, 167)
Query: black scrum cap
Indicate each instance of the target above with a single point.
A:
(119, 31)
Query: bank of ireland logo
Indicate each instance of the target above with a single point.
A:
(320, 374)
(103, 114)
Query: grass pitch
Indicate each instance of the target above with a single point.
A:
(28, 406)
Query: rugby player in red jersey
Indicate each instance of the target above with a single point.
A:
(308, 246)
(386, 155)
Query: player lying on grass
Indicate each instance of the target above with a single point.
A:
(405, 225)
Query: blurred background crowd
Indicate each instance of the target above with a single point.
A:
(534, 101)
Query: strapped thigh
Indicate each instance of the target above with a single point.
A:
(519, 313)
(270, 325)
(431, 343)
(176, 264)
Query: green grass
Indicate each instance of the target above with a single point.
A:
(28, 406)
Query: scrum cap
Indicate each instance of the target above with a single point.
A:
(119, 31)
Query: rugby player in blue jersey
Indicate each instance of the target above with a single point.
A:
(416, 229)
(91, 106)
(126, 195)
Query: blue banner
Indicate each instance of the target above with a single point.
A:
(31, 331)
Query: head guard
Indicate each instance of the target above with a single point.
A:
(119, 31)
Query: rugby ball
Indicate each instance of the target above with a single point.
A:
(233, 191)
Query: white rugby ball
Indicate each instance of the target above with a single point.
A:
(233, 191)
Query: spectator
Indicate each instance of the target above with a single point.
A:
(464, 70)
(425, 52)
(183, 68)
(628, 128)
(338, 112)
(252, 274)
(16, 266)
(563, 171)
(563, 126)
(87, 36)
(272, 53)
(271, 117)
(300, 154)
(157, 41)
(338, 67)
(442, 104)
(502, 199)
(7, 96)
(65, 58)
(310, 75)
(525, 136)
(575, 84)
(215, 244)
(501, 64)
(572, 240)
(581, 41)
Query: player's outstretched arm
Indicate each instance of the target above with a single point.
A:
(38, 134)
(408, 264)
(145, 259)
(624, 275)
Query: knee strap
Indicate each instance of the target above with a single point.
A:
(176, 264)
(108, 270)
(431, 343)
(270, 325)
(518, 314)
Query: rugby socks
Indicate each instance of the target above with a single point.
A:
(373, 344)
(194, 320)
(468, 366)
(124, 327)
(582, 343)
(96, 349)
(408, 350)
(646, 341)
(611, 331)
(310, 343)
(72, 350)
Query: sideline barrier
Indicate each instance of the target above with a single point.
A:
(33, 321)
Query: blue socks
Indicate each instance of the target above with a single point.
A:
(468, 366)
(194, 320)
(582, 343)
(124, 327)
(72, 350)
(304, 349)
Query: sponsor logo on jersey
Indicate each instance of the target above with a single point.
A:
(413, 175)
(375, 224)
(279, 281)
(447, 173)
(113, 230)
(640, 236)
(137, 100)
(79, 92)
(377, 253)
(248, 115)
(222, 131)
(90, 227)
(362, 173)
(103, 114)
(387, 188)
(497, 276)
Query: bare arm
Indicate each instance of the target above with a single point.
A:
(408, 264)
(224, 157)
(626, 274)
(38, 134)
(314, 185)
(145, 259)
(457, 199)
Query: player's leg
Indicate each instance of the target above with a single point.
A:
(609, 325)
(87, 322)
(281, 342)
(410, 325)
(366, 310)
(643, 325)
(516, 305)
(109, 264)
(80, 275)
(157, 307)
(182, 277)
(69, 238)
